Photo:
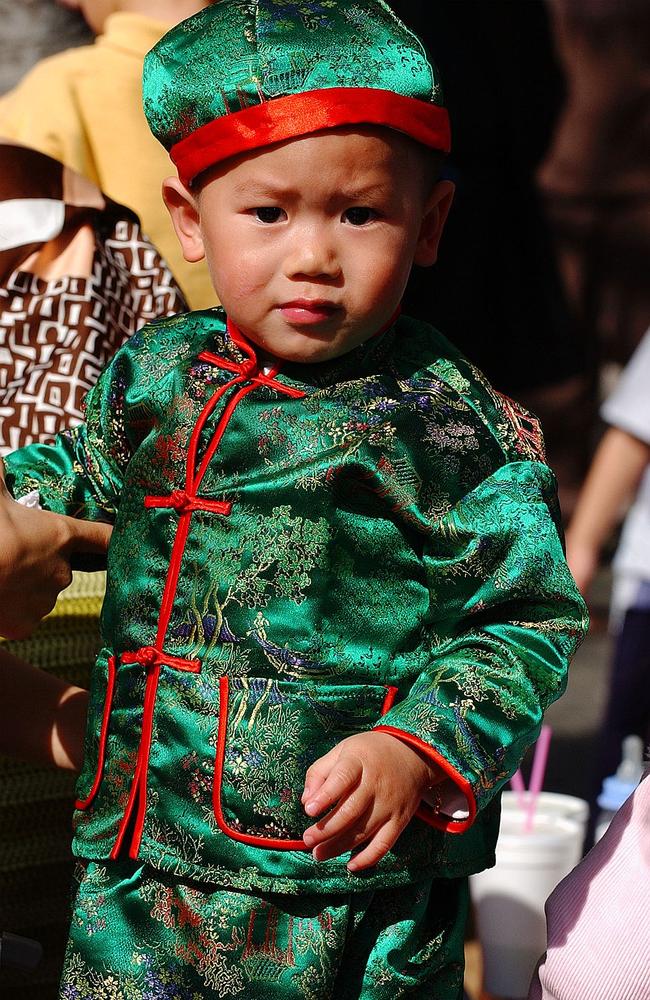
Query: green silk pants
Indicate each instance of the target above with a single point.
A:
(141, 934)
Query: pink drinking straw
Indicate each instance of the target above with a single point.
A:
(518, 787)
(537, 775)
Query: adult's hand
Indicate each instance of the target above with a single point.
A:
(36, 551)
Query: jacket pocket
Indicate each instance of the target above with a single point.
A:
(99, 714)
(269, 733)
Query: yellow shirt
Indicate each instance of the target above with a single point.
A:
(84, 107)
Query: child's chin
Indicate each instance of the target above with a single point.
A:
(304, 350)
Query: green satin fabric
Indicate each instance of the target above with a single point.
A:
(396, 526)
(137, 934)
(239, 53)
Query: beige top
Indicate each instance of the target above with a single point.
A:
(84, 107)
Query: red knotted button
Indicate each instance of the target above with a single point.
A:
(148, 656)
(179, 500)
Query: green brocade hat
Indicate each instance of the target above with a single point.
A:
(244, 74)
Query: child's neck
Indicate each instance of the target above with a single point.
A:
(166, 11)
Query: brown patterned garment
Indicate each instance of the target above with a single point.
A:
(77, 279)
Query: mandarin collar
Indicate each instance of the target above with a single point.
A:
(370, 357)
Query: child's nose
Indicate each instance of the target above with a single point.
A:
(312, 256)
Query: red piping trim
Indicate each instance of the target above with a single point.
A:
(190, 485)
(221, 426)
(171, 582)
(143, 758)
(185, 502)
(296, 115)
(391, 695)
(426, 812)
(152, 659)
(103, 735)
(271, 843)
(135, 783)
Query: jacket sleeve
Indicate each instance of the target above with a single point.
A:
(81, 473)
(504, 620)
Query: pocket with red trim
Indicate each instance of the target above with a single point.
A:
(270, 732)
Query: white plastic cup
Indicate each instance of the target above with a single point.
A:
(551, 804)
(509, 898)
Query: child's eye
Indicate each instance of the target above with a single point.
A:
(269, 213)
(359, 216)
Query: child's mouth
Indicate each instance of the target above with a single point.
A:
(304, 312)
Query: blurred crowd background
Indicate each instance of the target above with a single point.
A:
(550, 232)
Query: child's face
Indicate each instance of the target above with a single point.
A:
(310, 243)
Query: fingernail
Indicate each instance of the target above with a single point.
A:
(311, 808)
(308, 837)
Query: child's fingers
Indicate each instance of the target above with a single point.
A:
(317, 774)
(379, 845)
(346, 813)
(342, 779)
(362, 831)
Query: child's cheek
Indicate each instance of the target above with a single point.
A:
(239, 282)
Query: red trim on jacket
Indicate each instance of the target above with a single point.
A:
(103, 736)
(185, 502)
(271, 843)
(426, 812)
(296, 115)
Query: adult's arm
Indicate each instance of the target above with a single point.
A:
(43, 718)
(611, 483)
(36, 550)
(617, 468)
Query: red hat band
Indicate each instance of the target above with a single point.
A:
(304, 113)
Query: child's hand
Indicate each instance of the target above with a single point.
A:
(374, 783)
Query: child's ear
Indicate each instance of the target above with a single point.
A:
(435, 215)
(183, 208)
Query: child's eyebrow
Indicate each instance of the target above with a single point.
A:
(274, 189)
(269, 189)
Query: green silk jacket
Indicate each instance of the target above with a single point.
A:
(300, 554)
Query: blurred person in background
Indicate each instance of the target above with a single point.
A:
(497, 291)
(596, 181)
(77, 278)
(620, 476)
(83, 107)
(596, 177)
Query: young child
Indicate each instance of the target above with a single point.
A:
(83, 107)
(337, 600)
